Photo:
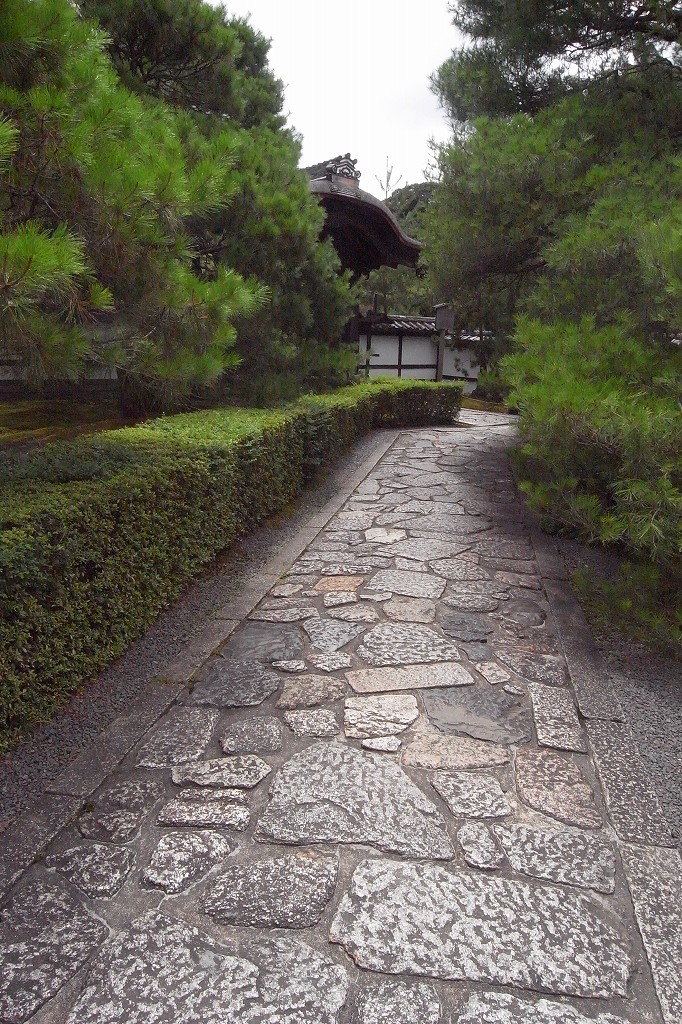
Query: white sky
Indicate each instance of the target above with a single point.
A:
(356, 74)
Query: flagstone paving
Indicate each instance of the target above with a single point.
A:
(380, 802)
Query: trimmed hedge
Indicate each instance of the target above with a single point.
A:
(99, 534)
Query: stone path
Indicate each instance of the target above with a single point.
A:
(400, 793)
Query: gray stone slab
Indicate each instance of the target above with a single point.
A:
(472, 602)
(339, 598)
(379, 715)
(556, 719)
(261, 734)
(519, 579)
(182, 858)
(189, 978)
(46, 935)
(310, 690)
(319, 722)
(472, 795)
(30, 834)
(492, 672)
(355, 613)
(466, 627)
(462, 525)
(264, 641)
(382, 535)
(633, 806)
(243, 771)
(333, 793)
(654, 877)
(524, 612)
(396, 1002)
(181, 736)
(555, 785)
(118, 826)
(341, 583)
(425, 549)
(328, 636)
(409, 584)
(435, 751)
(383, 744)
(499, 548)
(479, 712)
(572, 858)
(295, 613)
(281, 892)
(120, 810)
(289, 666)
(401, 918)
(330, 662)
(205, 809)
(398, 644)
(532, 665)
(410, 609)
(416, 677)
(499, 1008)
(226, 683)
(479, 847)
(95, 868)
(286, 590)
(459, 569)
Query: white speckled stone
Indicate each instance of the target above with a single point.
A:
(329, 636)
(330, 662)
(383, 744)
(355, 613)
(289, 666)
(242, 772)
(386, 715)
(493, 672)
(471, 795)
(410, 609)
(296, 613)
(396, 1002)
(434, 751)
(261, 734)
(553, 784)
(498, 1008)
(416, 677)
(309, 690)
(338, 598)
(211, 810)
(479, 847)
(401, 918)
(409, 584)
(95, 868)
(182, 858)
(459, 569)
(382, 535)
(189, 978)
(397, 644)
(556, 719)
(572, 858)
(321, 723)
(180, 736)
(334, 793)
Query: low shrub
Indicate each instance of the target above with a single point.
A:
(99, 534)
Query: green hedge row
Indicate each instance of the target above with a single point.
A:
(98, 535)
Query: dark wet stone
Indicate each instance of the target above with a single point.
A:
(233, 684)
(119, 811)
(281, 892)
(261, 734)
(479, 712)
(472, 602)
(467, 628)
(46, 935)
(428, 920)
(396, 1002)
(95, 868)
(334, 793)
(525, 613)
(329, 636)
(182, 858)
(189, 978)
(264, 641)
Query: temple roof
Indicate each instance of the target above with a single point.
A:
(363, 230)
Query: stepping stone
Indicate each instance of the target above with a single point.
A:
(190, 978)
(435, 751)
(459, 569)
(207, 809)
(320, 723)
(286, 590)
(380, 535)
(427, 920)
(409, 584)
(181, 736)
(95, 868)
(416, 677)
(493, 673)
(328, 637)
(466, 628)
(353, 520)
(383, 744)
(550, 783)
(425, 549)
(225, 683)
(346, 568)
(498, 1008)
(386, 715)
(182, 858)
(335, 599)
(396, 644)
(514, 690)
(259, 735)
(243, 772)
(444, 524)
(282, 892)
(294, 614)
(556, 719)
(378, 598)
(535, 666)
(472, 602)
(120, 811)
(515, 579)
(396, 1002)
(263, 641)
(356, 613)
(308, 691)
(479, 712)
(329, 662)
(571, 858)
(336, 584)
(472, 796)
(524, 613)
(406, 609)
(476, 588)
(334, 793)
(479, 847)
(289, 666)
(47, 936)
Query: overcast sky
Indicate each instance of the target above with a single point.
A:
(356, 74)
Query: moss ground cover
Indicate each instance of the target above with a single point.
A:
(98, 534)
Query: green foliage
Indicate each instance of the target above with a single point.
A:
(99, 534)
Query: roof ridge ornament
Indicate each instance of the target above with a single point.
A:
(343, 167)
